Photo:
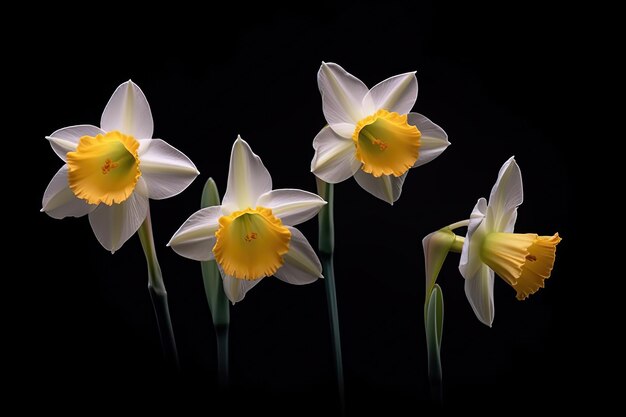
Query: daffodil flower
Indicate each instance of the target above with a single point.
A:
(371, 134)
(111, 171)
(251, 235)
(524, 261)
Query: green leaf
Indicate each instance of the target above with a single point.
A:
(213, 286)
(210, 195)
(434, 333)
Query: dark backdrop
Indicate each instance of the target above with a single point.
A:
(493, 78)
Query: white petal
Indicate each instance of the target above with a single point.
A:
(66, 140)
(59, 200)
(479, 292)
(386, 187)
(506, 195)
(236, 289)
(293, 275)
(470, 255)
(478, 276)
(302, 265)
(342, 95)
(433, 140)
(508, 224)
(247, 178)
(292, 206)
(345, 130)
(166, 170)
(114, 225)
(395, 94)
(196, 237)
(335, 157)
(128, 111)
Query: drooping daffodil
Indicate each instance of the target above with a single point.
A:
(251, 235)
(111, 171)
(371, 133)
(524, 261)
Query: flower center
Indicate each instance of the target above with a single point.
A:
(386, 143)
(104, 168)
(251, 243)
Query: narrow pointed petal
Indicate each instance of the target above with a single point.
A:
(196, 237)
(479, 292)
(66, 140)
(59, 200)
(344, 130)
(236, 289)
(342, 95)
(302, 265)
(476, 230)
(395, 94)
(478, 276)
(433, 140)
(335, 157)
(114, 225)
(506, 195)
(291, 274)
(128, 111)
(386, 187)
(247, 178)
(292, 206)
(166, 170)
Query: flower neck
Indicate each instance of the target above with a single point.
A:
(457, 245)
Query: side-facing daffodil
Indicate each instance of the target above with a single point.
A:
(250, 235)
(524, 261)
(111, 171)
(371, 134)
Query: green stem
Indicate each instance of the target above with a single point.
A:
(457, 245)
(220, 313)
(326, 221)
(434, 332)
(326, 248)
(214, 290)
(158, 294)
(221, 333)
(436, 248)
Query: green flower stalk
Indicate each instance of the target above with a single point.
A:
(214, 290)
(326, 247)
(436, 247)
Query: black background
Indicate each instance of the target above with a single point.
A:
(495, 79)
